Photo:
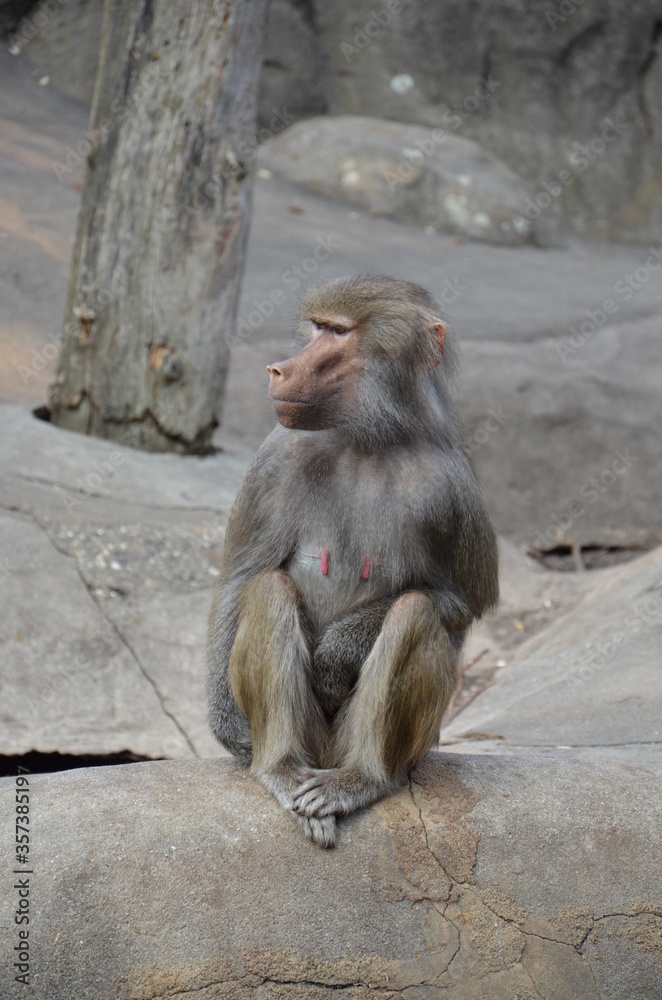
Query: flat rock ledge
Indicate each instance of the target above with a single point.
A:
(487, 877)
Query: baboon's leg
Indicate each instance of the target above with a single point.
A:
(269, 674)
(394, 716)
(342, 650)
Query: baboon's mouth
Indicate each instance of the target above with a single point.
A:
(292, 402)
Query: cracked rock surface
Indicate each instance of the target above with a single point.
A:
(590, 678)
(108, 559)
(488, 877)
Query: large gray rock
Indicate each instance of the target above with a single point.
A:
(489, 877)
(68, 681)
(563, 76)
(406, 172)
(61, 42)
(38, 223)
(532, 598)
(292, 87)
(112, 658)
(567, 94)
(11, 13)
(565, 439)
(590, 678)
(107, 561)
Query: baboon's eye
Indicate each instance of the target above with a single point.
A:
(319, 326)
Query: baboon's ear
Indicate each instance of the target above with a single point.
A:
(439, 330)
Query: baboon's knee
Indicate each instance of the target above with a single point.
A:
(270, 589)
(423, 678)
(415, 605)
(268, 644)
(266, 605)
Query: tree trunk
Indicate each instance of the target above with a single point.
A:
(163, 222)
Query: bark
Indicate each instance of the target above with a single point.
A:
(163, 224)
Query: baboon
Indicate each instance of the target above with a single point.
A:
(357, 554)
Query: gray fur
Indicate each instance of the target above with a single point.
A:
(389, 481)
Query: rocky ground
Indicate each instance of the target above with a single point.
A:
(526, 862)
(488, 878)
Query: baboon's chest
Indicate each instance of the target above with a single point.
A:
(356, 547)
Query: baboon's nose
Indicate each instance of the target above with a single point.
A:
(278, 374)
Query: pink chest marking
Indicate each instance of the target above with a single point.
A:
(324, 565)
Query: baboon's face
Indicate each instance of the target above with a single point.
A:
(314, 389)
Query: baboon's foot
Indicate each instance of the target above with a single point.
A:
(283, 783)
(320, 829)
(336, 791)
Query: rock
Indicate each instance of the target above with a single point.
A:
(489, 876)
(548, 88)
(135, 542)
(82, 471)
(551, 386)
(69, 682)
(39, 220)
(589, 678)
(406, 172)
(12, 12)
(565, 439)
(521, 83)
(562, 411)
(61, 42)
(291, 87)
(532, 598)
(108, 561)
